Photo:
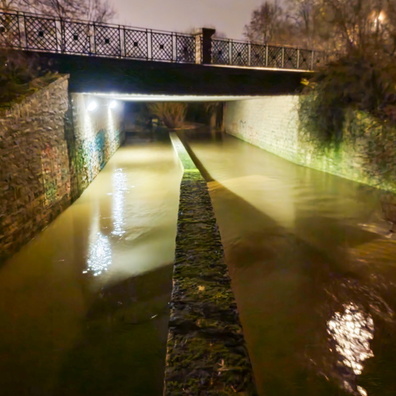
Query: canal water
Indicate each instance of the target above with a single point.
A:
(313, 268)
(83, 306)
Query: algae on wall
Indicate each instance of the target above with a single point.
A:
(366, 153)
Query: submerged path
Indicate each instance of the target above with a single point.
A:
(313, 269)
(83, 306)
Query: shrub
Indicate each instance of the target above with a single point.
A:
(18, 76)
(172, 114)
(354, 82)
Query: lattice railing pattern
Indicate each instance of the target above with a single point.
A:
(162, 46)
(258, 55)
(305, 59)
(240, 53)
(9, 30)
(39, 33)
(275, 57)
(318, 59)
(290, 58)
(136, 43)
(107, 40)
(76, 37)
(221, 52)
(185, 49)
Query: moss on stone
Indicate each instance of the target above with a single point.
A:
(206, 353)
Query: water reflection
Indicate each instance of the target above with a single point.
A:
(99, 257)
(352, 332)
(306, 251)
(120, 187)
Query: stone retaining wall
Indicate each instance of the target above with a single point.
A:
(272, 123)
(50, 150)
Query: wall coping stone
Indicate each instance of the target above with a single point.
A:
(18, 105)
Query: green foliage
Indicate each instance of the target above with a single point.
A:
(18, 77)
(356, 82)
(381, 153)
(172, 114)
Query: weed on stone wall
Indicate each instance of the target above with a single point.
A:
(20, 76)
(352, 102)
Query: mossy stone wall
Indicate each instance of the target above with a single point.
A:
(367, 154)
(50, 150)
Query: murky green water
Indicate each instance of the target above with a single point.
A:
(313, 268)
(83, 307)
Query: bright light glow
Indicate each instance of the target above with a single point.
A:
(92, 105)
(136, 97)
(381, 17)
(113, 104)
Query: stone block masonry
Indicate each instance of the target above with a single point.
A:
(206, 353)
(272, 123)
(50, 150)
(94, 137)
(269, 123)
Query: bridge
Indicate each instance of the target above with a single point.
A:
(153, 61)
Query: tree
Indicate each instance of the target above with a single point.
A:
(358, 25)
(6, 4)
(338, 25)
(172, 114)
(92, 10)
(303, 17)
(268, 24)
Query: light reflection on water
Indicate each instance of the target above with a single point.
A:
(310, 252)
(120, 188)
(352, 332)
(99, 258)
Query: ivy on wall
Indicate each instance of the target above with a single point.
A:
(350, 106)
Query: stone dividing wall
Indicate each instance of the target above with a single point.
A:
(45, 161)
(272, 123)
(206, 351)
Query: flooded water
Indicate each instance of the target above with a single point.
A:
(313, 269)
(83, 307)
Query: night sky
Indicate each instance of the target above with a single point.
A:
(227, 16)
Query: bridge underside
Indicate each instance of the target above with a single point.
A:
(95, 74)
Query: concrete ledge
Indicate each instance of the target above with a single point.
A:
(206, 353)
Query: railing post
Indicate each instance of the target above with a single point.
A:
(312, 59)
(207, 45)
(93, 48)
(298, 58)
(266, 55)
(20, 41)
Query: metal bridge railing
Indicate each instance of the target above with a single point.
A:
(32, 32)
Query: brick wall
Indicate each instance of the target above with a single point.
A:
(50, 150)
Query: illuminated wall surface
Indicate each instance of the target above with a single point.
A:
(97, 135)
(51, 148)
(272, 124)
